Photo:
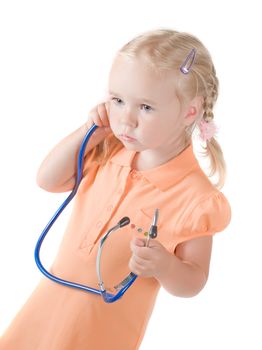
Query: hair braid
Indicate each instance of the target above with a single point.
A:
(211, 97)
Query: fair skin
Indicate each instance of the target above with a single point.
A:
(142, 104)
(131, 84)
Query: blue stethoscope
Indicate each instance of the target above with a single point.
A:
(122, 287)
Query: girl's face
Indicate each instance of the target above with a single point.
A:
(143, 105)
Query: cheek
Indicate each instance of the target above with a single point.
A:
(115, 113)
(154, 127)
(114, 125)
(113, 117)
(165, 132)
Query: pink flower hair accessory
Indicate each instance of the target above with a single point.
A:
(207, 129)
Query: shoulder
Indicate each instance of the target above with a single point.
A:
(206, 215)
(209, 202)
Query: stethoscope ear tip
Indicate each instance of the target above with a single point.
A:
(124, 221)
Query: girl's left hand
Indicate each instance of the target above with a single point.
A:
(150, 261)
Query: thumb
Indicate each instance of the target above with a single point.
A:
(139, 242)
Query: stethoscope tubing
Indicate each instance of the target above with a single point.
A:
(109, 298)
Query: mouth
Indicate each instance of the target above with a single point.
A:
(127, 138)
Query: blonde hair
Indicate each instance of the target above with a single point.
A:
(166, 49)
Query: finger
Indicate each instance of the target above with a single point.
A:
(140, 261)
(139, 242)
(136, 268)
(101, 108)
(93, 118)
(141, 252)
(107, 106)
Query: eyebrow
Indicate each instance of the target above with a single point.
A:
(142, 99)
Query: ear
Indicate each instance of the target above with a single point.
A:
(194, 110)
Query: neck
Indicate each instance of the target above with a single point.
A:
(150, 159)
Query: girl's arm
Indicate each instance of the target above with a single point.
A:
(187, 270)
(57, 172)
(182, 274)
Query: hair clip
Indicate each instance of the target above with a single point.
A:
(191, 56)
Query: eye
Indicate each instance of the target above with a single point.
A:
(146, 108)
(117, 100)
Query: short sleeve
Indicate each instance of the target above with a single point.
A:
(208, 216)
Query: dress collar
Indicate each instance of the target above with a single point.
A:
(165, 175)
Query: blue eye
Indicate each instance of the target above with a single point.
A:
(146, 108)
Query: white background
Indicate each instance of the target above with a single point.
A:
(54, 61)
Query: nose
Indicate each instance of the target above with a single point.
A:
(129, 118)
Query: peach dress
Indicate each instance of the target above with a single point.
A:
(60, 318)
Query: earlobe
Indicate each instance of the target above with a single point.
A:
(195, 110)
(192, 111)
(191, 116)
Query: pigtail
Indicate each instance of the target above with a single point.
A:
(212, 150)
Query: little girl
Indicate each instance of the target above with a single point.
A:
(162, 85)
